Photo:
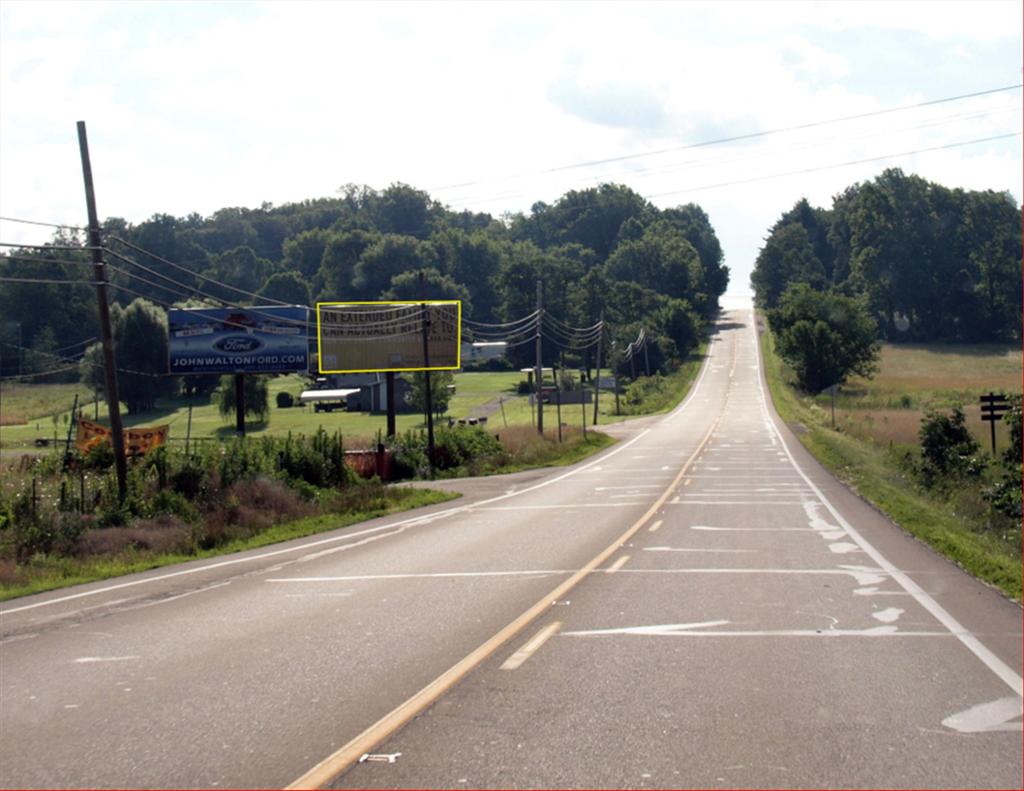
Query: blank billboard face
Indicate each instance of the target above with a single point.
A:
(388, 336)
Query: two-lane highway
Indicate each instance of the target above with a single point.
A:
(701, 605)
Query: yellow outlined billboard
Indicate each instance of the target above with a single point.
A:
(365, 337)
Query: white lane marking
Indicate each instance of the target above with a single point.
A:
(531, 646)
(660, 629)
(634, 486)
(334, 539)
(987, 717)
(687, 549)
(693, 630)
(738, 502)
(424, 575)
(889, 615)
(752, 529)
(1007, 674)
(655, 526)
(843, 547)
(82, 660)
(557, 507)
(618, 564)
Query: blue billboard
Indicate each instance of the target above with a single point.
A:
(238, 340)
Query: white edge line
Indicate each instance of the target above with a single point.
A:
(973, 644)
(434, 516)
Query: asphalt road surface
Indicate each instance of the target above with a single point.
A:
(700, 606)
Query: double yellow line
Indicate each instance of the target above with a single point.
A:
(346, 756)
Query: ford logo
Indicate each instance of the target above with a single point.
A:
(239, 343)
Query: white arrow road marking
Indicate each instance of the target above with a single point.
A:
(987, 717)
(889, 615)
(693, 630)
(843, 547)
(686, 549)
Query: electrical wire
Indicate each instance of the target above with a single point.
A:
(47, 281)
(738, 138)
(62, 248)
(46, 224)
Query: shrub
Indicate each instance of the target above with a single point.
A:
(160, 535)
(948, 449)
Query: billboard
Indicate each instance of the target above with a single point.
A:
(238, 340)
(137, 441)
(388, 336)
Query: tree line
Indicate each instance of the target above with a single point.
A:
(604, 249)
(928, 262)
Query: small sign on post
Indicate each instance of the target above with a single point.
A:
(993, 405)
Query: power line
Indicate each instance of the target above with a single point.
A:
(46, 281)
(831, 167)
(45, 224)
(738, 138)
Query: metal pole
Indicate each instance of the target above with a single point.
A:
(106, 333)
(539, 362)
(188, 430)
(597, 377)
(558, 398)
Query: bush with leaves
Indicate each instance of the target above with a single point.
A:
(948, 449)
(1005, 495)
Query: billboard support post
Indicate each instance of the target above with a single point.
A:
(597, 377)
(240, 404)
(106, 334)
(389, 380)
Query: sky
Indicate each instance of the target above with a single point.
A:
(491, 106)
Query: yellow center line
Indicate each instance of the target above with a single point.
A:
(531, 647)
(365, 742)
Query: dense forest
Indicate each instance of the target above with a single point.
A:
(930, 263)
(604, 249)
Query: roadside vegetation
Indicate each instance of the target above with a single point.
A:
(902, 441)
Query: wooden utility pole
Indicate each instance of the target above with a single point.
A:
(540, 362)
(597, 377)
(427, 395)
(106, 333)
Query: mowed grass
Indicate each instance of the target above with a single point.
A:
(911, 380)
(864, 452)
(490, 394)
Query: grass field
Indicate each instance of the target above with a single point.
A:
(888, 408)
(875, 428)
(31, 412)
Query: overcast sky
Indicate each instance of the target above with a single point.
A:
(192, 107)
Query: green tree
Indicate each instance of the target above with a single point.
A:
(140, 348)
(338, 264)
(786, 258)
(257, 396)
(289, 287)
(406, 287)
(825, 337)
(441, 391)
(391, 255)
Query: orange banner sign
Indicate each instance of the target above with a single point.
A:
(137, 441)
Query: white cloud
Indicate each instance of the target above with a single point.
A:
(192, 107)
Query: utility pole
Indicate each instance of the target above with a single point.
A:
(540, 363)
(647, 361)
(106, 333)
(427, 395)
(597, 377)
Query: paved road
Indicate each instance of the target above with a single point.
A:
(700, 606)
